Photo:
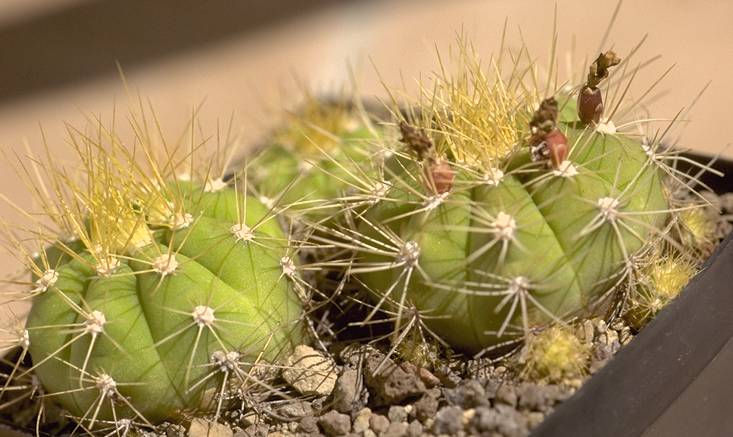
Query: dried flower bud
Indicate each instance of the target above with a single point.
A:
(417, 141)
(546, 141)
(590, 99)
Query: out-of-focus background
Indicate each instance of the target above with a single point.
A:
(59, 58)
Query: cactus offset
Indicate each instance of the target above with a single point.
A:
(662, 279)
(554, 355)
(307, 164)
(171, 290)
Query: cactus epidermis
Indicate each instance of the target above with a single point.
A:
(501, 217)
(171, 290)
(309, 161)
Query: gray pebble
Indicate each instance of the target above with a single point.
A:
(308, 425)
(491, 387)
(426, 406)
(600, 355)
(397, 413)
(396, 429)
(361, 421)
(174, 430)
(448, 420)
(468, 394)
(295, 410)
(415, 429)
(511, 423)
(534, 419)
(345, 394)
(391, 383)
(485, 419)
(334, 423)
(318, 403)
(555, 394)
(532, 397)
(506, 394)
(378, 423)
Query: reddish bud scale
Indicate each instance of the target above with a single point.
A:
(557, 144)
(440, 176)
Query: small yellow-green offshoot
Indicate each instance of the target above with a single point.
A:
(554, 355)
(661, 281)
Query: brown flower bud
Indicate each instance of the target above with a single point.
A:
(417, 141)
(590, 105)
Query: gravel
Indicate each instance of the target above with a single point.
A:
(205, 428)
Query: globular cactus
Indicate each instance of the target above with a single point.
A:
(307, 162)
(165, 290)
(503, 210)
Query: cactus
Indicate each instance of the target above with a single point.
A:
(554, 355)
(163, 291)
(663, 279)
(491, 211)
(306, 165)
(504, 210)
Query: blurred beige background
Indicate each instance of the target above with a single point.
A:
(246, 75)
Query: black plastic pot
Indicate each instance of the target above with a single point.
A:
(676, 377)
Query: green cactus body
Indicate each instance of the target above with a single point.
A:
(145, 335)
(495, 257)
(312, 161)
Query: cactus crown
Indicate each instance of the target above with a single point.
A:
(475, 116)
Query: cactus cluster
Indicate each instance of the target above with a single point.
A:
(499, 208)
(493, 208)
